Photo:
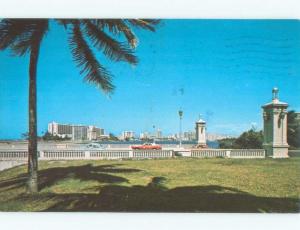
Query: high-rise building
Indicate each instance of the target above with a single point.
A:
(94, 133)
(189, 136)
(127, 135)
(76, 132)
(158, 134)
(61, 130)
(144, 135)
(79, 132)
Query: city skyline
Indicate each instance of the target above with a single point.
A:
(66, 130)
(91, 132)
(218, 68)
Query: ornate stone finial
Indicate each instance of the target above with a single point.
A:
(275, 94)
(200, 120)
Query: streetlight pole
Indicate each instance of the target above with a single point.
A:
(180, 112)
(153, 134)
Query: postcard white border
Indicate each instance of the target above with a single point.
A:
(151, 8)
(244, 9)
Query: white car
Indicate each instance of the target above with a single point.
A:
(95, 146)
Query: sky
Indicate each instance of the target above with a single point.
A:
(221, 70)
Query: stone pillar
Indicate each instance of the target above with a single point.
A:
(130, 154)
(201, 133)
(275, 127)
(41, 155)
(87, 154)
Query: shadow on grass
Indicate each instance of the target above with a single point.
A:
(154, 197)
(88, 172)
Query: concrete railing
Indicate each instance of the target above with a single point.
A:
(108, 154)
(9, 158)
(202, 153)
(230, 153)
(128, 153)
(152, 153)
(85, 154)
(294, 153)
(13, 155)
(62, 155)
(247, 153)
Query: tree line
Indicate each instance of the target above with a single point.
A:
(254, 139)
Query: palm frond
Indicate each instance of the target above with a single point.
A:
(151, 21)
(20, 35)
(10, 30)
(118, 26)
(108, 24)
(31, 38)
(65, 22)
(113, 49)
(82, 54)
(148, 24)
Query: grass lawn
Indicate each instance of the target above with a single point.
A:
(166, 185)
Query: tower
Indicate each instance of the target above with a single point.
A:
(201, 133)
(275, 127)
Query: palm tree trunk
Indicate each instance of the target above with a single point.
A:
(32, 185)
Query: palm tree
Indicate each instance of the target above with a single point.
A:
(25, 36)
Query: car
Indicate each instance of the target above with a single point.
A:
(95, 146)
(147, 146)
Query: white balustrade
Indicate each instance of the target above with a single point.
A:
(13, 155)
(60, 154)
(294, 153)
(152, 153)
(247, 153)
(63, 155)
(109, 154)
(208, 153)
(229, 153)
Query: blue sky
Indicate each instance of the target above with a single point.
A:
(222, 69)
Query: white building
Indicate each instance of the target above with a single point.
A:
(144, 135)
(60, 130)
(189, 136)
(79, 132)
(104, 136)
(75, 132)
(127, 135)
(94, 133)
(216, 136)
(158, 134)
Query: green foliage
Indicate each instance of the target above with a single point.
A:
(25, 136)
(293, 131)
(248, 140)
(112, 137)
(226, 143)
(253, 139)
(49, 137)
